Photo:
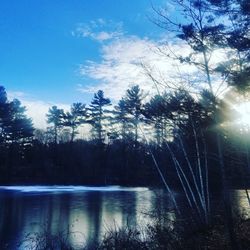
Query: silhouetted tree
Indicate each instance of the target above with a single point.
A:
(121, 119)
(157, 112)
(236, 41)
(75, 118)
(98, 114)
(133, 103)
(20, 127)
(55, 117)
(199, 28)
(4, 112)
(14, 124)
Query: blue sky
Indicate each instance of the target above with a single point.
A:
(56, 52)
(41, 52)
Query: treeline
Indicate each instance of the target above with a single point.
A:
(128, 142)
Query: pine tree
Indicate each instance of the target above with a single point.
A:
(98, 114)
(15, 127)
(121, 119)
(4, 112)
(134, 106)
(76, 117)
(55, 117)
(19, 127)
(157, 113)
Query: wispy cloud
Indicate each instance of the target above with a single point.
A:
(127, 60)
(99, 30)
(123, 64)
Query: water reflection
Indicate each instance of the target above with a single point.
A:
(240, 200)
(86, 214)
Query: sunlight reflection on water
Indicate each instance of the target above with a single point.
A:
(71, 188)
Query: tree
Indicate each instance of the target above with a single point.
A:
(75, 118)
(236, 41)
(134, 106)
(98, 115)
(157, 112)
(201, 31)
(55, 117)
(198, 29)
(16, 132)
(4, 111)
(3, 95)
(121, 117)
(14, 124)
(20, 127)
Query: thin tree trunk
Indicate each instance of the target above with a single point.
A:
(226, 197)
(192, 174)
(199, 166)
(179, 169)
(161, 174)
(206, 172)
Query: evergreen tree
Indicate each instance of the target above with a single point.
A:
(236, 41)
(55, 117)
(15, 127)
(121, 118)
(75, 118)
(157, 112)
(199, 30)
(98, 114)
(4, 111)
(134, 106)
(19, 128)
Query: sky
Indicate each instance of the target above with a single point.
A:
(56, 52)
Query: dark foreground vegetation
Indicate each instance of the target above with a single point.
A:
(179, 235)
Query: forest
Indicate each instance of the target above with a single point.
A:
(173, 128)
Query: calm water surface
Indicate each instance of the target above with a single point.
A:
(86, 212)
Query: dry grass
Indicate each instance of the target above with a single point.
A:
(182, 236)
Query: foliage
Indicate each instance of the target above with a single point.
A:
(76, 117)
(98, 115)
(55, 116)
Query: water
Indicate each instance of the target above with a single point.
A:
(86, 212)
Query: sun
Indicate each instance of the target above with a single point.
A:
(243, 110)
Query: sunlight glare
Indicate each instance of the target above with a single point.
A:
(244, 115)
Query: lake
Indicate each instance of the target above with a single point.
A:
(86, 212)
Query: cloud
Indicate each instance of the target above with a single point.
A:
(99, 30)
(127, 60)
(36, 109)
